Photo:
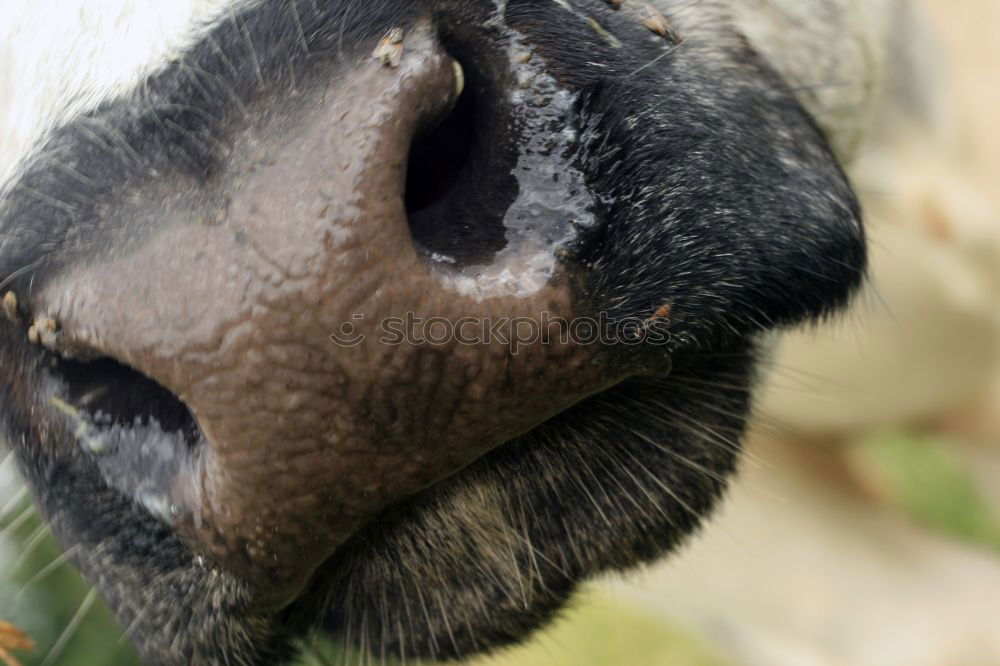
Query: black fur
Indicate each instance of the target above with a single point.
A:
(718, 196)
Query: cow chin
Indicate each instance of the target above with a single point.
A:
(485, 557)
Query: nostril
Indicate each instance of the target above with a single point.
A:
(459, 180)
(120, 395)
(439, 156)
(111, 402)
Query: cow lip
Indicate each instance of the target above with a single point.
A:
(658, 370)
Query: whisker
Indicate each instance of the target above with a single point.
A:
(250, 47)
(516, 567)
(348, 635)
(402, 641)
(343, 29)
(535, 570)
(15, 524)
(74, 624)
(46, 199)
(367, 641)
(31, 545)
(46, 571)
(496, 577)
(119, 138)
(727, 443)
(222, 55)
(657, 59)
(684, 460)
(133, 625)
(427, 618)
(293, 5)
(664, 487)
(622, 467)
(447, 623)
(730, 444)
(540, 554)
(383, 611)
(593, 500)
(759, 420)
(409, 617)
(59, 165)
(801, 374)
(194, 73)
(154, 108)
(12, 503)
(21, 271)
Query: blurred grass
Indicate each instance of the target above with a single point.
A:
(924, 477)
(44, 608)
(602, 632)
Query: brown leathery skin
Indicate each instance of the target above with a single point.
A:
(305, 439)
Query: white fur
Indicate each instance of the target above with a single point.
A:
(60, 56)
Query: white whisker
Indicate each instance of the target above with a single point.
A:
(15, 524)
(74, 624)
(133, 625)
(31, 545)
(55, 565)
(13, 502)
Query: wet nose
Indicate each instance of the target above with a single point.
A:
(269, 321)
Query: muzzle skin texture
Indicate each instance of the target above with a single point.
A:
(397, 320)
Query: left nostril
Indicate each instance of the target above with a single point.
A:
(138, 433)
(110, 393)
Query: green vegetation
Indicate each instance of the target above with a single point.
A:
(925, 478)
(601, 632)
(42, 594)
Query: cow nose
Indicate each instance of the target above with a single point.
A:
(250, 391)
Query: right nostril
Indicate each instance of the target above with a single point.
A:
(439, 156)
(459, 173)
